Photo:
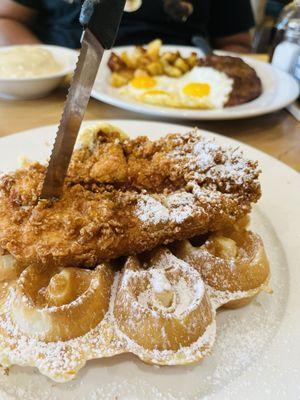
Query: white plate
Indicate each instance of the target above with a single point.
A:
(33, 88)
(257, 352)
(279, 90)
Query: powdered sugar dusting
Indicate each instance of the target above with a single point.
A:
(242, 345)
(62, 360)
(181, 205)
(208, 163)
(174, 208)
(159, 281)
(150, 210)
(213, 174)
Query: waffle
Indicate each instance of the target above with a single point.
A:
(164, 310)
(233, 265)
(158, 306)
(10, 270)
(157, 309)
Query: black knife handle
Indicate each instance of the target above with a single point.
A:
(102, 18)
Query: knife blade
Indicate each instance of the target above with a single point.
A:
(75, 107)
(99, 35)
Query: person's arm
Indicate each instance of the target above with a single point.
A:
(230, 24)
(15, 20)
(239, 43)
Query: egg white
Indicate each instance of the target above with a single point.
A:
(170, 92)
(219, 83)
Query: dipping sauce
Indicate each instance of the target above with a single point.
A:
(27, 62)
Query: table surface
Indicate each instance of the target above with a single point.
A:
(277, 134)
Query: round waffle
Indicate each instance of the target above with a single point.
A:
(57, 319)
(60, 304)
(164, 310)
(233, 265)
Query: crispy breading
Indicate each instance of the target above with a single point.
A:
(126, 196)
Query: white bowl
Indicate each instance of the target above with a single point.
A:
(33, 88)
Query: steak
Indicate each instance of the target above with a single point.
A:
(247, 85)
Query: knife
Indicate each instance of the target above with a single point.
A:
(101, 20)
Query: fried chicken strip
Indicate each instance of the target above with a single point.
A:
(125, 196)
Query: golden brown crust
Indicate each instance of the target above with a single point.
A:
(126, 196)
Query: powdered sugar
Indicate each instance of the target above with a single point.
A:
(159, 281)
(181, 205)
(242, 345)
(174, 208)
(204, 159)
(62, 360)
(150, 210)
(185, 296)
(212, 174)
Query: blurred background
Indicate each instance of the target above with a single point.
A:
(227, 25)
(267, 15)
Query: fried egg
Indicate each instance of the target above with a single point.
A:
(147, 89)
(148, 84)
(203, 87)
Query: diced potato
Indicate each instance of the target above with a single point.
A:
(169, 57)
(128, 60)
(144, 61)
(148, 61)
(182, 65)
(140, 73)
(153, 49)
(171, 71)
(119, 79)
(137, 55)
(115, 63)
(192, 60)
(155, 68)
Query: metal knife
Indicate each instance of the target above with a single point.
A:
(101, 20)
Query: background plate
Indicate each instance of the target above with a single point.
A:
(279, 90)
(257, 351)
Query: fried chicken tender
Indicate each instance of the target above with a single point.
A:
(125, 196)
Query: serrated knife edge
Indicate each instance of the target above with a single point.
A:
(75, 106)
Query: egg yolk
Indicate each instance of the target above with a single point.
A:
(143, 82)
(197, 89)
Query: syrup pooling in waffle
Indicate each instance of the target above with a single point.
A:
(124, 197)
(233, 264)
(163, 310)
